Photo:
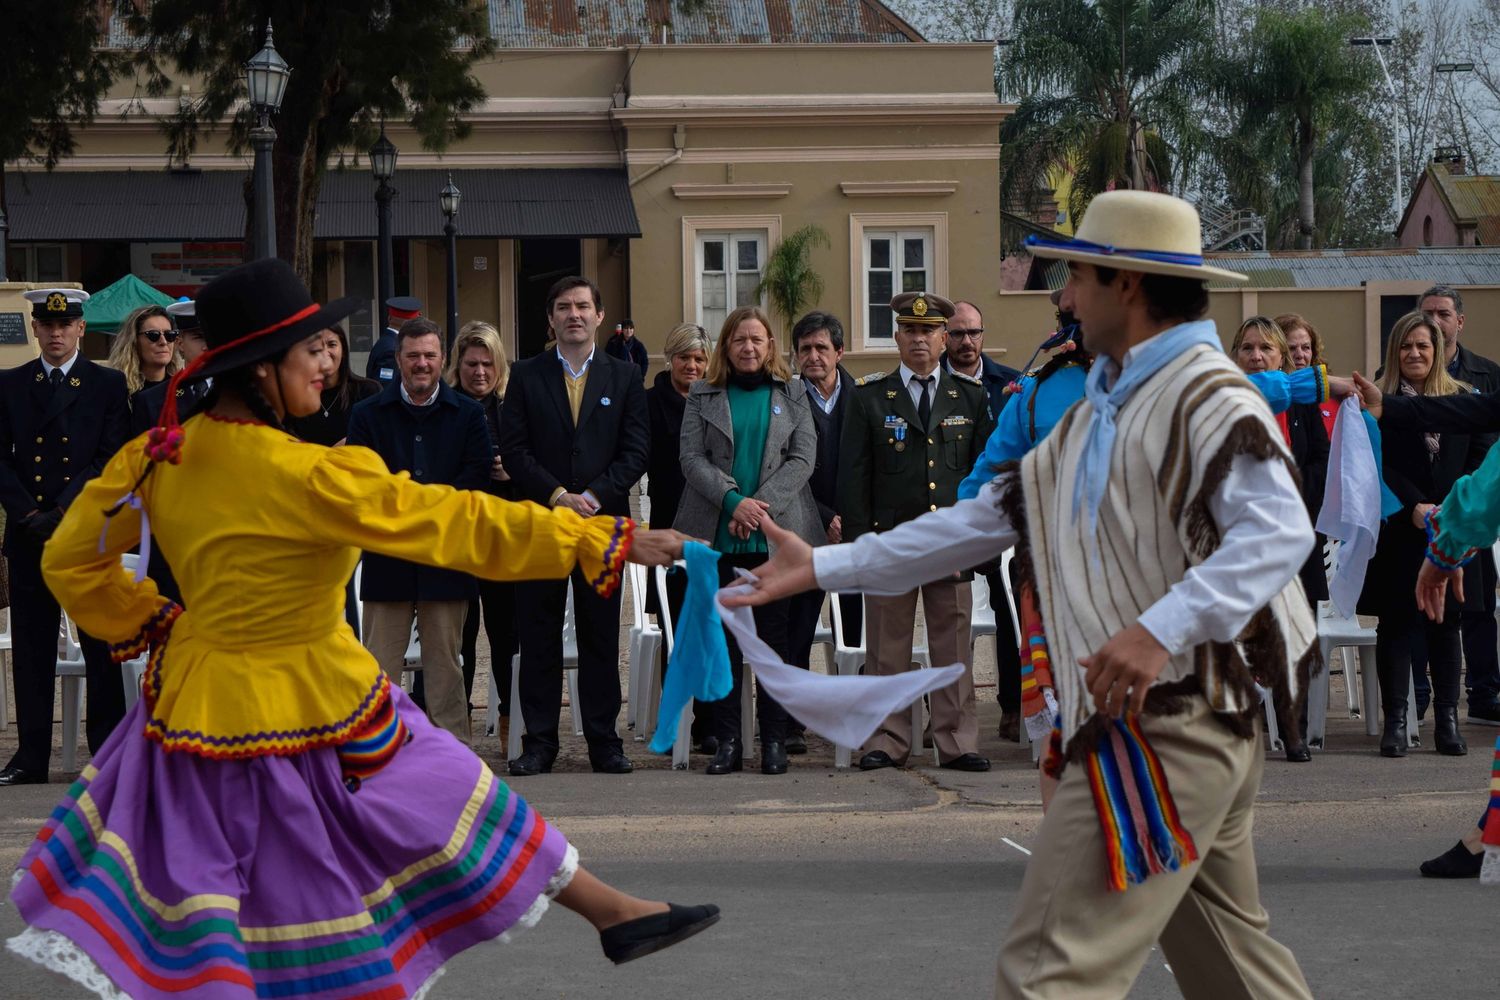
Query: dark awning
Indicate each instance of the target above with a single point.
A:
(166, 206)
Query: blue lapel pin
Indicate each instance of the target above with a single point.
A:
(604, 401)
(776, 410)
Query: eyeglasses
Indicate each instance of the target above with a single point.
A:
(966, 334)
(155, 336)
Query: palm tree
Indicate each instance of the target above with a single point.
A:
(1111, 87)
(1289, 85)
(790, 281)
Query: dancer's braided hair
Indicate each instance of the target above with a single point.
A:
(241, 382)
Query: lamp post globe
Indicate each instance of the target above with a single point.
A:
(383, 166)
(448, 199)
(266, 75)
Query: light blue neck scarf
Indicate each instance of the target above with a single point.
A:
(1108, 389)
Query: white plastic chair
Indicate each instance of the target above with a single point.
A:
(847, 659)
(131, 671)
(682, 743)
(1015, 619)
(6, 643)
(570, 668)
(72, 671)
(645, 647)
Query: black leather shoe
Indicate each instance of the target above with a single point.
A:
(708, 745)
(613, 762)
(530, 762)
(1297, 752)
(796, 743)
(640, 937)
(21, 776)
(876, 759)
(1010, 727)
(967, 762)
(773, 757)
(729, 757)
(1456, 862)
(1445, 731)
(1393, 742)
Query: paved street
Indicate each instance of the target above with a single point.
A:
(848, 885)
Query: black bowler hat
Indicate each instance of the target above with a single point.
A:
(256, 311)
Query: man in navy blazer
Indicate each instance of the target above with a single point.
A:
(574, 432)
(62, 417)
(422, 426)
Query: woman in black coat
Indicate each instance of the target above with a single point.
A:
(1259, 346)
(1420, 468)
(478, 368)
(330, 425)
(686, 350)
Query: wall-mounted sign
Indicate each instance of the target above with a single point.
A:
(12, 328)
(183, 268)
(481, 263)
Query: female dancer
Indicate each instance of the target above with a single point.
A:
(273, 818)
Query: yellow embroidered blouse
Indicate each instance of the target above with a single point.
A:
(262, 531)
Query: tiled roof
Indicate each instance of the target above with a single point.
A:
(1347, 268)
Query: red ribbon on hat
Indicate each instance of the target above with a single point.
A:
(164, 441)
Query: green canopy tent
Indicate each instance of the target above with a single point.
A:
(107, 308)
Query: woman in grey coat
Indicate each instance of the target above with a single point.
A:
(748, 446)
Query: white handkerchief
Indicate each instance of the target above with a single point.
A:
(1351, 505)
(846, 710)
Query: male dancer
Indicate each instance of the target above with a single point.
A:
(1162, 527)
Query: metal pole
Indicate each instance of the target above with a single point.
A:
(1400, 202)
(383, 195)
(451, 231)
(263, 137)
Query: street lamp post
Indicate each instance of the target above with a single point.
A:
(1448, 69)
(449, 198)
(265, 76)
(383, 166)
(1377, 44)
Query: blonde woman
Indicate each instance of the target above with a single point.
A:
(145, 349)
(748, 447)
(1420, 468)
(478, 368)
(1307, 349)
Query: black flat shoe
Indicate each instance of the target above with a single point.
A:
(773, 757)
(728, 758)
(529, 763)
(796, 744)
(876, 759)
(640, 937)
(967, 762)
(21, 776)
(1456, 862)
(613, 762)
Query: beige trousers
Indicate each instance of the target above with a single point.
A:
(948, 608)
(440, 625)
(1072, 937)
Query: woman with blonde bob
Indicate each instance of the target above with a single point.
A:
(1307, 349)
(1420, 468)
(478, 368)
(747, 450)
(145, 349)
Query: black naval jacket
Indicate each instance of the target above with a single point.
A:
(53, 442)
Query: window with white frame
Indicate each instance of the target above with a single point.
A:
(728, 267)
(895, 261)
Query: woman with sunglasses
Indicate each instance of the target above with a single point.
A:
(145, 349)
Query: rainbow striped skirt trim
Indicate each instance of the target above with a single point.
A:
(173, 875)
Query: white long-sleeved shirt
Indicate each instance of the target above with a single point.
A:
(1265, 536)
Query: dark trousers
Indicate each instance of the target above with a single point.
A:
(1477, 622)
(540, 606)
(496, 607)
(802, 624)
(35, 618)
(1007, 647)
(1394, 640)
(771, 623)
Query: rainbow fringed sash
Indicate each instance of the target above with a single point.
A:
(1036, 667)
(373, 746)
(1490, 871)
(1143, 835)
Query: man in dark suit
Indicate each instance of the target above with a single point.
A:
(964, 358)
(626, 346)
(574, 432)
(909, 439)
(818, 346)
(381, 365)
(1445, 307)
(423, 426)
(62, 417)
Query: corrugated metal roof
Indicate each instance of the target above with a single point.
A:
(1474, 199)
(1346, 268)
(138, 205)
(611, 23)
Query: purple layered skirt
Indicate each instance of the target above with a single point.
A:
(268, 877)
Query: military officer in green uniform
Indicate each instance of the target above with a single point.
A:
(909, 439)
